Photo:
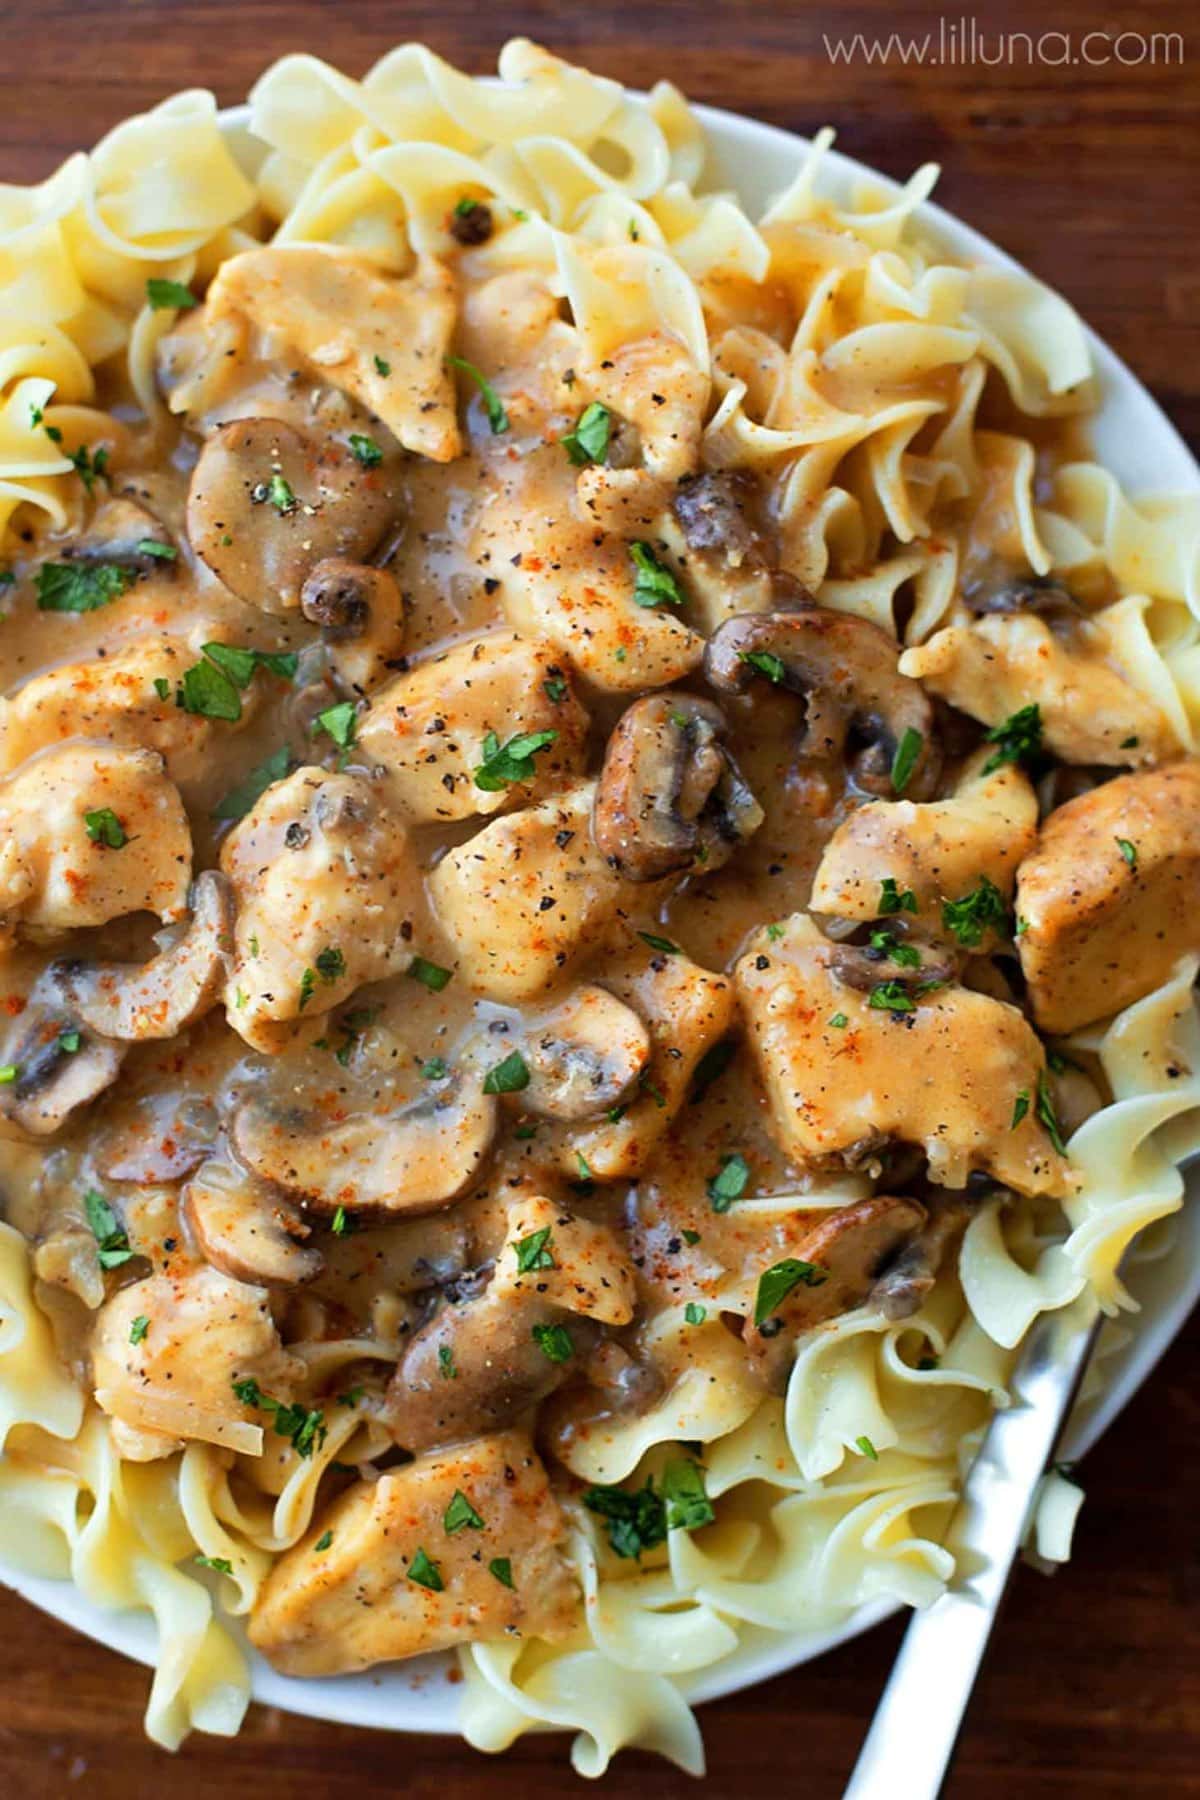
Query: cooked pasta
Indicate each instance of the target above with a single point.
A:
(571, 1201)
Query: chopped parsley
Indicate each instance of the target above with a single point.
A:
(1018, 739)
(80, 587)
(867, 1448)
(306, 1430)
(689, 1236)
(324, 1541)
(654, 584)
(460, 1515)
(342, 1224)
(892, 996)
(908, 751)
(162, 687)
(382, 367)
(659, 943)
(554, 1342)
(765, 662)
(331, 965)
(555, 689)
(90, 466)
(688, 1506)
(775, 932)
(240, 799)
(729, 1182)
(1047, 1117)
(891, 900)
(975, 913)
(587, 440)
(138, 1329)
(636, 1521)
(339, 722)
(889, 945)
(777, 1282)
(206, 692)
(429, 974)
(504, 764)
(493, 406)
(308, 987)
(711, 1067)
(839, 1021)
(164, 295)
(1020, 1108)
(507, 1077)
(9, 1072)
(533, 1252)
(104, 827)
(695, 1314)
(425, 1573)
(69, 1041)
(501, 1568)
(435, 1069)
(366, 450)
(278, 492)
(220, 1564)
(445, 1361)
(111, 1240)
(1128, 851)
(157, 549)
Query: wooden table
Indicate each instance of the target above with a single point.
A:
(1089, 174)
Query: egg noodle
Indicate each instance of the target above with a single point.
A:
(847, 359)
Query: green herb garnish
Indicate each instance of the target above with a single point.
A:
(493, 406)
(777, 1282)
(104, 827)
(504, 764)
(654, 584)
(729, 1182)
(587, 440)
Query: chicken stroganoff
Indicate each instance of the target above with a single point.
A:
(579, 782)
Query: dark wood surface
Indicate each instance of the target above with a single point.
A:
(1091, 176)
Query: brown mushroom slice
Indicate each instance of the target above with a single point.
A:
(345, 1597)
(670, 795)
(840, 1261)
(60, 1067)
(267, 503)
(410, 1161)
(846, 668)
(584, 1055)
(517, 1336)
(1109, 898)
(360, 610)
(245, 1230)
(136, 1004)
(120, 531)
(1040, 594)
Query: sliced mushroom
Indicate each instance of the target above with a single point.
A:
(410, 1161)
(493, 1333)
(60, 1067)
(908, 1279)
(864, 966)
(842, 1257)
(361, 614)
(245, 1230)
(670, 795)
(267, 504)
(584, 1055)
(846, 669)
(1039, 594)
(119, 532)
(139, 1003)
(719, 514)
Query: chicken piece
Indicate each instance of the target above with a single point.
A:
(511, 1339)
(490, 892)
(58, 873)
(203, 1332)
(653, 386)
(460, 1546)
(938, 850)
(426, 730)
(1110, 897)
(958, 1074)
(381, 338)
(126, 698)
(687, 1009)
(565, 577)
(1003, 662)
(323, 878)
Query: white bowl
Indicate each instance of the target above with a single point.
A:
(1138, 443)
